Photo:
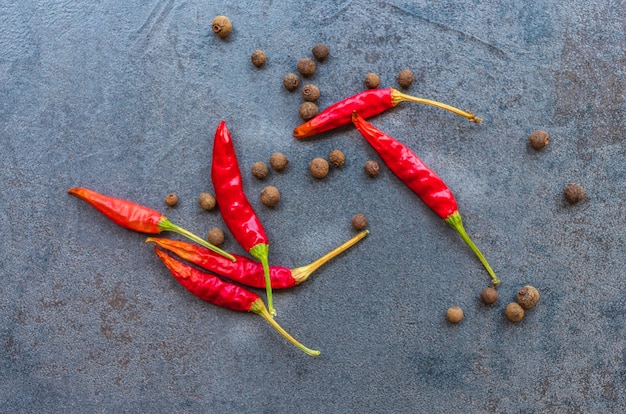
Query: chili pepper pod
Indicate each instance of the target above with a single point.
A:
(249, 272)
(138, 218)
(212, 289)
(368, 103)
(423, 181)
(237, 212)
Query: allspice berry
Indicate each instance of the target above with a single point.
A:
(514, 312)
(359, 222)
(372, 168)
(405, 78)
(454, 314)
(221, 26)
(215, 236)
(171, 200)
(260, 170)
(278, 161)
(258, 58)
(320, 52)
(574, 193)
(207, 201)
(319, 167)
(291, 81)
(538, 139)
(310, 92)
(528, 296)
(489, 296)
(270, 196)
(372, 81)
(306, 67)
(337, 158)
(307, 110)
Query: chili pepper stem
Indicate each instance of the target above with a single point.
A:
(456, 222)
(300, 274)
(166, 225)
(397, 97)
(261, 252)
(259, 308)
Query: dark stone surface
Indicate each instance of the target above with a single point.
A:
(124, 97)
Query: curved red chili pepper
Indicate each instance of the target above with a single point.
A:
(236, 210)
(423, 181)
(136, 217)
(226, 295)
(246, 271)
(368, 103)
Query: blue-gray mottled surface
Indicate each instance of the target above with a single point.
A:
(124, 97)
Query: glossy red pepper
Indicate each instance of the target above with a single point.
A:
(246, 271)
(368, 103)
(236, 210)
(138, 218)
(226, 295)
(413, 172)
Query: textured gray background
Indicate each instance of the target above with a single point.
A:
(124, 97)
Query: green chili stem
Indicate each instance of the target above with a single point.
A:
(261, 252)
(397, 97)
(456, 222)
(166, 225)
(259, 308)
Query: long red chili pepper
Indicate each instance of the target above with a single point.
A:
(226, 295)
(138, 218)
(412, 171)
(368, 103)
(246, 271)
(236, 210)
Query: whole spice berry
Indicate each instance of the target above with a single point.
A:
(514, 312)
(372, 81)
(320, 52)
(310, 92)
(319, 167)
(171, 200)
(291, 81)
(359, 222)
(454, 314)
(489, 296)
(405, 78)
(574, 193)
(307, 110)
(372, 168)
(278, 161)
(260, 170)
(221, 26)
(206, 201)
(528, 296)
(270, 196)
(258, 58)
(538, 139)
(216, 236)
(306, 67)
(337, 158)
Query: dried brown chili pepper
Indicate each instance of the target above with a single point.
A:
(367, 104)
(424, 182)
(249, 272)
(226, 295)
(237, 212)
(138, 218)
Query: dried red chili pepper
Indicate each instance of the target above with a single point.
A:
(226, 295)
(424, 182)
(246, 271)
(367, 104)
(236, 210)
(138, 218)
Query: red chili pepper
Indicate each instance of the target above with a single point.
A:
(412, 171)
(368, 103)
(236, 210)
(136, 217)
(246, 271)
(226, 295)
